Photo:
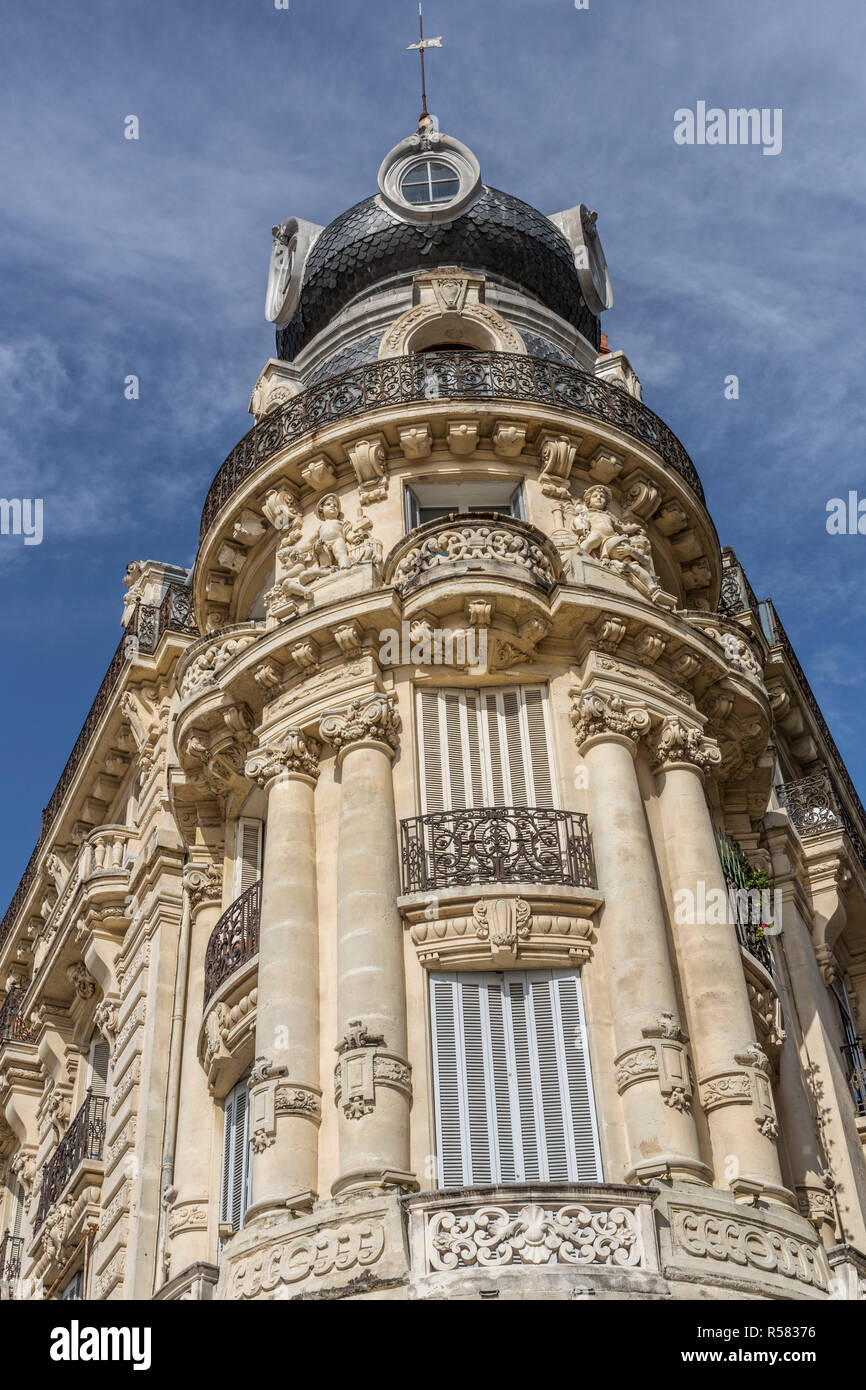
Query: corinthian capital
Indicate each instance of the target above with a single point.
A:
(373, 720)
(203, 883)
(678, 742)
(294, 754)
(594, 714)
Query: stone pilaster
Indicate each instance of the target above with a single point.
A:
(285, 1095)
(188, 1200)
(373, 1077)
(653, 1073)
(733, 1073)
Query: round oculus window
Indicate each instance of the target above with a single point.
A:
(430, 181)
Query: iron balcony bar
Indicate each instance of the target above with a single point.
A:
(13, 1028)
(11, 1249)
(234, 940)
(522, 844)
(83, 1140)
(449, 375)
(816, 808)
(746, 902)
(855, 1065)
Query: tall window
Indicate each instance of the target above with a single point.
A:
(236, 1166)
(512, 1082)
(98, 1062)
(484, 748)
(248, 854)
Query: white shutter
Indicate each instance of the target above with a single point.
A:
(248, 855)
(512, 1085)
(17, 1214)
(100, 1060)
(484, 748)
(236, 1158)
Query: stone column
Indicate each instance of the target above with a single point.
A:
(733, 1072)
(189, 1211)
(373, 1080)
(285, 1095)
(652, 1068)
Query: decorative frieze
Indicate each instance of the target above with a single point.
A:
(473, 543)
(747, 1246)
(348, 1250)
(491, 1237)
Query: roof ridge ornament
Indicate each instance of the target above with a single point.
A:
(420, 49)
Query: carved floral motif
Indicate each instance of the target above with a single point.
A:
(491, 1237)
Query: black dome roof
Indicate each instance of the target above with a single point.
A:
(499, 234)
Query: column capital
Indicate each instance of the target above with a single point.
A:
(293, 754)
(203, 884)
(373, 720)
(678, 743)
(598, 715)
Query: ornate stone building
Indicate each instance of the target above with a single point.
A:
(455, 890)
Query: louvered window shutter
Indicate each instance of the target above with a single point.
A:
(512, 1086)
(17, 1220)
(483, 748)
(236, 1158)
(100, 1060)
(249, 855)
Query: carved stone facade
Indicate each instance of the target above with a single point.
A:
(226, 1067)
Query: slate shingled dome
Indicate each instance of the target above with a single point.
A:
(499, 235)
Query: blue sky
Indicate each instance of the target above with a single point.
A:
(150, 257)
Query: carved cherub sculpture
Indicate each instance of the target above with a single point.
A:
(338, 543)
(622, 546)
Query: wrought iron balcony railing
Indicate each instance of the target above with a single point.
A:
(747, 902)
(522, 844)
(815, 808)
(13, 1028)
(83, 1140)
(449, 375)
(778, 638)
(234, 941)
(854, 1057)
(11, 1249)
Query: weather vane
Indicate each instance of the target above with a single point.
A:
(421, 48)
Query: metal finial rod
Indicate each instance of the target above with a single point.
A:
(421, 47)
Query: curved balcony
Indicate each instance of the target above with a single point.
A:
(496, 845)
(815, 809)
(83, 1142)
(486, 542)
(234, 940)
(457, 375)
